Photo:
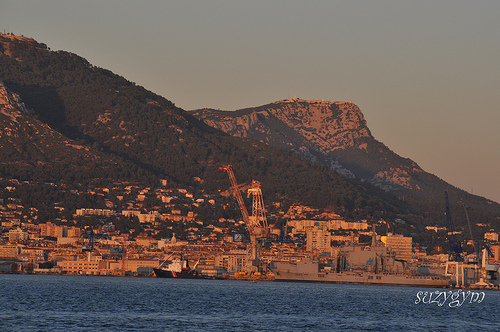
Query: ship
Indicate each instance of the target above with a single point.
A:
(357, 265)
(179, 268)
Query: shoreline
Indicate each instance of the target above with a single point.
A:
(253, 280)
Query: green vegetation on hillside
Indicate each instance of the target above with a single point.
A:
(138, 136)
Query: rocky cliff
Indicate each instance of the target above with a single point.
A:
(10, 103)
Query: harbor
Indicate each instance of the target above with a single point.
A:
(311, 246)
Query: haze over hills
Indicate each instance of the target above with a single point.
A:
(83, 123)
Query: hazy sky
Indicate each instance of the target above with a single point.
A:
(426, 74)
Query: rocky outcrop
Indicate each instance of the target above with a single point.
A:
(326, 125)
(10, 103)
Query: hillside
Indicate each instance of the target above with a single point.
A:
(32, 150)
(104, 112)
(98, 125)
(336, 135)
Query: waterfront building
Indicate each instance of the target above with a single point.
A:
(132, 264)
(82, 267)
(234, 261)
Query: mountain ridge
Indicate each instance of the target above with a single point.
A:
(322, 131)
(136, 133)
(102, 110)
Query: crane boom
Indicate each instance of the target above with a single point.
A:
(473, 238)
(455, 249)
(236, 192)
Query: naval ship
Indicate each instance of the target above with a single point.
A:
(371, 265)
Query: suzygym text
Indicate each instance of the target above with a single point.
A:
(455, 298)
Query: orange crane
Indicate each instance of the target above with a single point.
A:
(257, 222)
(237, 194)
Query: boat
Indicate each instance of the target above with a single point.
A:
(356, 265)
(177, 268)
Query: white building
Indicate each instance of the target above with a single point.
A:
(318, 240)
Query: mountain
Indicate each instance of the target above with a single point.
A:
(334, 134)
(82, 123)
(146, 136)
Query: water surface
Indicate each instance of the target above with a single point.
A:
(84, 303)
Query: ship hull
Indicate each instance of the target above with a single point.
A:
(162, 273)
(191, 274)
(310, 272)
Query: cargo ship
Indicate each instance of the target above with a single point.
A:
(356, 265)
(178, 268)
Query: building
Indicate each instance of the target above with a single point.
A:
(148, 217)
(53, 230)
(132, 264)
(345, 238)
(491, 236)
(97, 212)
(131, 213)
(318, 240)
(10, 250)
(235, 261)
(145, 241)
(300, 226)
(17, 234)
(337, 224)
(402, 245)
(82, 267)
(36, 254)
(495, 250)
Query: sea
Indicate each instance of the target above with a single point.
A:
(92, 303)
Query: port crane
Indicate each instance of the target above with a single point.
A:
(256, 223)
(484, 272)
(458, 270)
(475, 243)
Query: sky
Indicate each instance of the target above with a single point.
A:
(425, 74)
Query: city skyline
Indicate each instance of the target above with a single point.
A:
(423, 74)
